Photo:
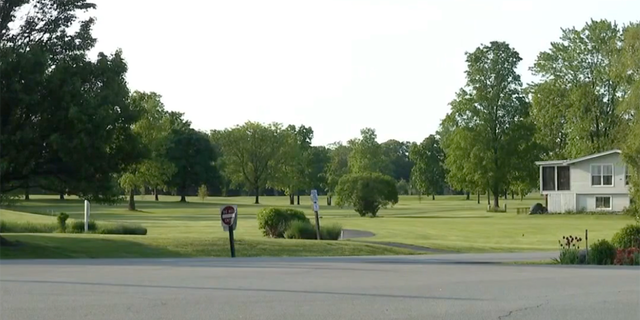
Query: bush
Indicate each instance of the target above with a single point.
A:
(300, 229)
(627, 237)
(121, 228)
(627, 257)
(62, 221)
(274, 221)
(330, 231)
(569, 256)
(602, 253)
(367, 192)
(27, 227)
(77, 226)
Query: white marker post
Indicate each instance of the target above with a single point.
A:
(316, 208)
(87, 214)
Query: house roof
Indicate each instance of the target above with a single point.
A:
(572, 161)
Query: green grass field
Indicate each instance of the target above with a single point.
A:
(193, 229)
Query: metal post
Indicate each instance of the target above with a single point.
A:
(231, 242)
(318, 226)
(586, 240)
(87, 214)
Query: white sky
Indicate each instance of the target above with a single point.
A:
(336, 65)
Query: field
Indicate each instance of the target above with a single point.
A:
(193, 229)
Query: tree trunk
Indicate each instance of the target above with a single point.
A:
(521, 196)
(468, 195)
(298, 200)
(26, 192)
(61, 196)
(155, 193)
(488, 197)
(291, 199)
(513, 195)
(257, 196)
(433, 196)
(478, 196)
(506, 194)
(132, 201)
(328, 200)
(496, 200)
(183, 198)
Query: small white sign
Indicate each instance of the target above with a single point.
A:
(316, 206)
(314, 195)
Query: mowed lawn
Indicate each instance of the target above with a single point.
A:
(193, 228)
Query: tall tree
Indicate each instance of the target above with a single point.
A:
(367, 154)
(153, 129)
(293, 174)
(397, 154)
(193, 158)
(630, 65)
(428, 173)
(337, 167)
(489, 119)
(58, 108)
(253, 154)
(577, 102)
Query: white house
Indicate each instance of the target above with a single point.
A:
(590, 183)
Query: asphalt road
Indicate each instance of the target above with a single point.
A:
(452, 287)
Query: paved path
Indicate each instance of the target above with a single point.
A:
(452, 287)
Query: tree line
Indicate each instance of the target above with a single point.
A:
(71, 125)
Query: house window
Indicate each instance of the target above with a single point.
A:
(602, 175)
(564, 178)
(548, 178)
(603, 203)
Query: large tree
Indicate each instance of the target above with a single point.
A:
(489, 119)
(337, 167)
(59, 108)
(367, 154)
(153, 129)
(630, 64)
(293, 174)
(428, 173)
(193, 157)
(576, 104)
(253, 154)
(397, 154)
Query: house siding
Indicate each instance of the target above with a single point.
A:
(581, 176)
(561, 201)
(587, 202)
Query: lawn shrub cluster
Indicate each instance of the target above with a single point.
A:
(623, 249)
(293, 224)
(76, 226)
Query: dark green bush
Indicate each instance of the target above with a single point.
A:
(121, 228)
(274, 221)
(27, 227)
(602, 253)
(367, 192)
(300, 229)
(330, 231)
(627, 237)
(62, 221)
(77, 226)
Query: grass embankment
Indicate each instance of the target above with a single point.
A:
(193, 228)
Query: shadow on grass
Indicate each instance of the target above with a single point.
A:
(436, 217)
(32, 246)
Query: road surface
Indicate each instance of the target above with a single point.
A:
(452, 287)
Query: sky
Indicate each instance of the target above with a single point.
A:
(335, 65)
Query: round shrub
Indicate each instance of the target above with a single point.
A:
(331, 231)
(627, 237)
(602, 252)
(274, 221)
(300, 229)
